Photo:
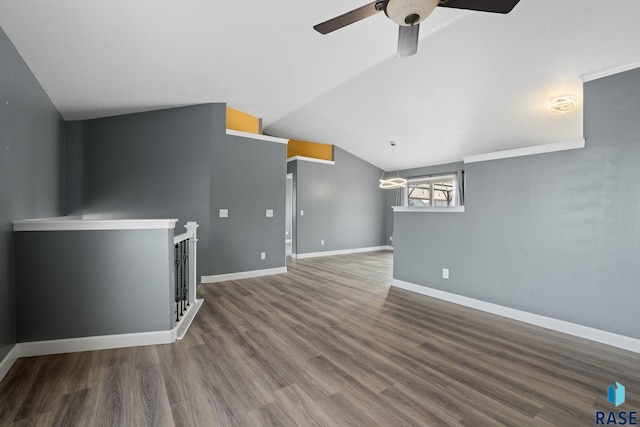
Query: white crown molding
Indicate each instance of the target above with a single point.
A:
(604, 337)
(609, 71)
(76, 223)
(266, 138)
(416, 209)
(341, 252)
(311, 159)
(242, 275)
(525, 151)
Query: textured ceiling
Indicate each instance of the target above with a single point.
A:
(479, 83)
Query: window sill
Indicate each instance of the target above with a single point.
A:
(428, 209)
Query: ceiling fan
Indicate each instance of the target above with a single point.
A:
(408, 14)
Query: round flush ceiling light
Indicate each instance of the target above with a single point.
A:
(562, 104)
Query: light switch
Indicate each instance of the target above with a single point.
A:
(224, 213)
(269, 213)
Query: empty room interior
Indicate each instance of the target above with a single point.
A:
(400, 213)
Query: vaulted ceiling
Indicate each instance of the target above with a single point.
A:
(479, 83)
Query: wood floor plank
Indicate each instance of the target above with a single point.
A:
(329, 343)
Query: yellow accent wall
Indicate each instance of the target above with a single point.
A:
(243, 122)
(309, 149)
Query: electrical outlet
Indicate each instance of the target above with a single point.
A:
(391, 238)
(263, 255)
(269, 213)
(322, 242)
(223, 213)
(445, 273)
(301, 212)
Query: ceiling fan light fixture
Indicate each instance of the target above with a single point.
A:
(562, 104)
(409, 12)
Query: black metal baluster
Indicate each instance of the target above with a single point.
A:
(181, 257)
(176, 260)
(187, 274)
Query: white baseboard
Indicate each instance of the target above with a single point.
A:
(185, 322)
(104, 342)
(242, 275)
(8, 361)
(341, 252)
(604, 337)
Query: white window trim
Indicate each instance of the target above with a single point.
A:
(429, 178)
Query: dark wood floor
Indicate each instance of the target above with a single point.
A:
(328, 344)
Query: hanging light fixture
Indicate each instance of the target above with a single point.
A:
(394, 182)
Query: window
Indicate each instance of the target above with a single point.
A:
(433, 191)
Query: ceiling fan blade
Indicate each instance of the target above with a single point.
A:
(495, 6)
(408, 40)
(350, 17)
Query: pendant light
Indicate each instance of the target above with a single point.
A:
(394, 182)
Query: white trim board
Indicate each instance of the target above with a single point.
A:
(8, 361)
(597, 335)
(242, 275)
(416, 209)
(340, 252)
(187, 319)
(75, 223)
(311, 159)
(525, 151)
(104, 342)
(266, 138)
(609, 71)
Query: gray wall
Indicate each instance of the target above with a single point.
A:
(116, 281)
(342, 205)
(292, 168)
(553, 234)
(394, 197)
(147, 165)
(288, 214)
(30, 167)
(180, 163)
(249, 177)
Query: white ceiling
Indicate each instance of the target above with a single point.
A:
(479, 83)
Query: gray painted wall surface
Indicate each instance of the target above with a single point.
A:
(30, 167)
(394, 197)
(292, 168)
(74, 135)
(116, 281)
(553, 234)
(148, 165)
(288, 220)
(342, 205)
(249, 177)
(180, 163)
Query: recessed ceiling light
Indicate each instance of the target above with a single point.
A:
(562, 104)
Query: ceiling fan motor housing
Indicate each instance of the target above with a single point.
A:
(409, 12)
